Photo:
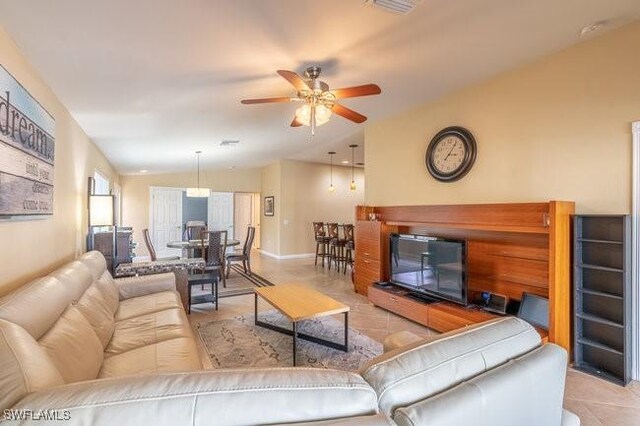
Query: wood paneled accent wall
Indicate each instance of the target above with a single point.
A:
(511, 249)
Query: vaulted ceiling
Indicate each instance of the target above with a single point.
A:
(151, 81)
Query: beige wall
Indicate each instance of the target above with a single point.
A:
(30, 249)
(303, 199)
(270, 225)
(136, 190)
(559, 128)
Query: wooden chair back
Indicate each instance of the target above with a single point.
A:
(333, 230)
(348, 231)
(318, 229)
(215, 250)
(251, 233)
(149, 244)
(193, 232)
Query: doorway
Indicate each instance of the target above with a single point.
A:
(166, 219)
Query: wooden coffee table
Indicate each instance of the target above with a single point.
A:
(299, 303)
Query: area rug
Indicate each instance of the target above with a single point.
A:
(238, 343)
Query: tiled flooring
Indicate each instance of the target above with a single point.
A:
(595, 401)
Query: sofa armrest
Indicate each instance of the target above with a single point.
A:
(226, 397)
(129, 287)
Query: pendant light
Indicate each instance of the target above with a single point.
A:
(331, 187)
(353, 165)
(198, 192)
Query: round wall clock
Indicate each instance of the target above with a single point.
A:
(451, 154)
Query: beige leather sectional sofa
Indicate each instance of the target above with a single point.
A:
(80, 346)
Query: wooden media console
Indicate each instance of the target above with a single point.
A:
(511, 249)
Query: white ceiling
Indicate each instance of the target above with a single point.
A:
(151, 81)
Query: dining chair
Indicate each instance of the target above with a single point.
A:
(214, 252)
(192, 232)
(245, 256)
(152, 250)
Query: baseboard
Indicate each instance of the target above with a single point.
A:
(288, 256)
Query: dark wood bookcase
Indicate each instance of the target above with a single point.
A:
(602, 296)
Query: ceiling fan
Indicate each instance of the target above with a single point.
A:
(318, 101)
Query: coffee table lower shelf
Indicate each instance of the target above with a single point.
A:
(294, 332)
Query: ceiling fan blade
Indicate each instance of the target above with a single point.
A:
(349, 114)
(266, 100)
(295, 122)
(352, 92)
(294, 79)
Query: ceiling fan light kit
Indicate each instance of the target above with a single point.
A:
(319, 102)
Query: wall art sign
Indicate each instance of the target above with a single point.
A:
(27, 152)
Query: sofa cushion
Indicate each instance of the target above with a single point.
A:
(526, 391)
(169, 356)
(24, 366)
(220, 397)
(74, 347)
(95, 261)
(76, 278)
(148, 304)
(36, 306)
(147, 329)
(99, 305)
(423, 369)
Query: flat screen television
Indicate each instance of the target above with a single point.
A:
(432, 266)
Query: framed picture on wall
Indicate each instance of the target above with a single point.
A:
(268, 206)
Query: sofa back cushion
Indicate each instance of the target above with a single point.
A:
(73, 347)
(526, 391)
(94, 260)
(75, 277)
(418, 371)
(24, 366)
(36, 306)
(99, 305)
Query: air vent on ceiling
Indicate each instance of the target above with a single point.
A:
(395, 6)
(229, 143)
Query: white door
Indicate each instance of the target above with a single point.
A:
(221, 212)
(243, 217)
(166, 223)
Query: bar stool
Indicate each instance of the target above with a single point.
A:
(349, 246)
(336, 245)
(322, 242)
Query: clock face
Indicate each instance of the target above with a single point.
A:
(451, 154)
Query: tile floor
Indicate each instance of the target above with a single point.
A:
(595, 401)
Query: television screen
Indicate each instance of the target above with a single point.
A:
(431, 265)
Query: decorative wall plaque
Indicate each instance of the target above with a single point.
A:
(27, 152)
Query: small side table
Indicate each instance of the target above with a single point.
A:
(199, 279)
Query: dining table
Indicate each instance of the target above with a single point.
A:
(189, 247)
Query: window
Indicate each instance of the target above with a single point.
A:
(100, 187)
(101, 184)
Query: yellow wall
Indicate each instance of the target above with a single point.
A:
(302, 197)
(136, 190)
(559, 128)
(29, 249)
